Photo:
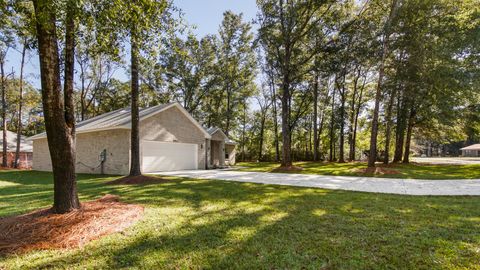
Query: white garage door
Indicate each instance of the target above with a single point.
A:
(166, 156)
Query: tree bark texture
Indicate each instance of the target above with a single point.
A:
(59, 123)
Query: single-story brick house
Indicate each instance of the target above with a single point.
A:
(170, 139)
(25, 154)
(471, 151)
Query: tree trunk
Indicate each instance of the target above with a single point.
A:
(332, 125)
(310, 144)
(357, 114)
(351, 152)
(286, 131)
(411, 120)
(83, 94)
(341, 153)
(20, 104)
(315, 119)
(320, 130)
(275, 125)
(135, 169)
(3, 57)
(58, 115)
(262, 127)
(227, 128)
(372, 157)
(244, 130)
(388, 121)
(400, 129)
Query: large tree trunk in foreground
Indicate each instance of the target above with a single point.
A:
(58, 114)
(135, 169)
(20, 104)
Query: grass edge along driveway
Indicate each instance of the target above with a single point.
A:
(404, 171)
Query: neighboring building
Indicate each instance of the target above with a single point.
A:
(25, 157)
(471, 151)
(170, 139)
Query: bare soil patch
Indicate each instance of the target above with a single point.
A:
(288, 169)
(43, 229)
(138, 180)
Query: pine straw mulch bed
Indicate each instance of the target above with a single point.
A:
(138, 180)
(42, 229)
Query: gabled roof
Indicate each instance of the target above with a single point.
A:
(472, 147)
(121, 119)
(25, 146)
(214, 130)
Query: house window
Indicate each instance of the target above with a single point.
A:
(226, 155)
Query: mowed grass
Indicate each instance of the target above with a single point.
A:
(406, 171)
(203, 224)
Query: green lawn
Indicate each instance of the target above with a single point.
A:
(407, 171)
(200, 224)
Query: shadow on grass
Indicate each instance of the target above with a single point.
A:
(216, 224)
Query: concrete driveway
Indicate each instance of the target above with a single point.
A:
(448, 160)
(365, 184)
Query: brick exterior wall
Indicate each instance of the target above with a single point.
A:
(89, 147)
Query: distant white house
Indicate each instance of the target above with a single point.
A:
(471, 151)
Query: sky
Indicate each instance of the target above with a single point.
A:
(206, 15)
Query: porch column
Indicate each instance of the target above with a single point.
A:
(222, 153)
(208, 154)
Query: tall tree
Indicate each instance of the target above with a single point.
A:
(236, 64)
(6, 42)
(20, 103)
(3, 86)
(142, 23)
(372, 157)
(284, 27)
(58, 113)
